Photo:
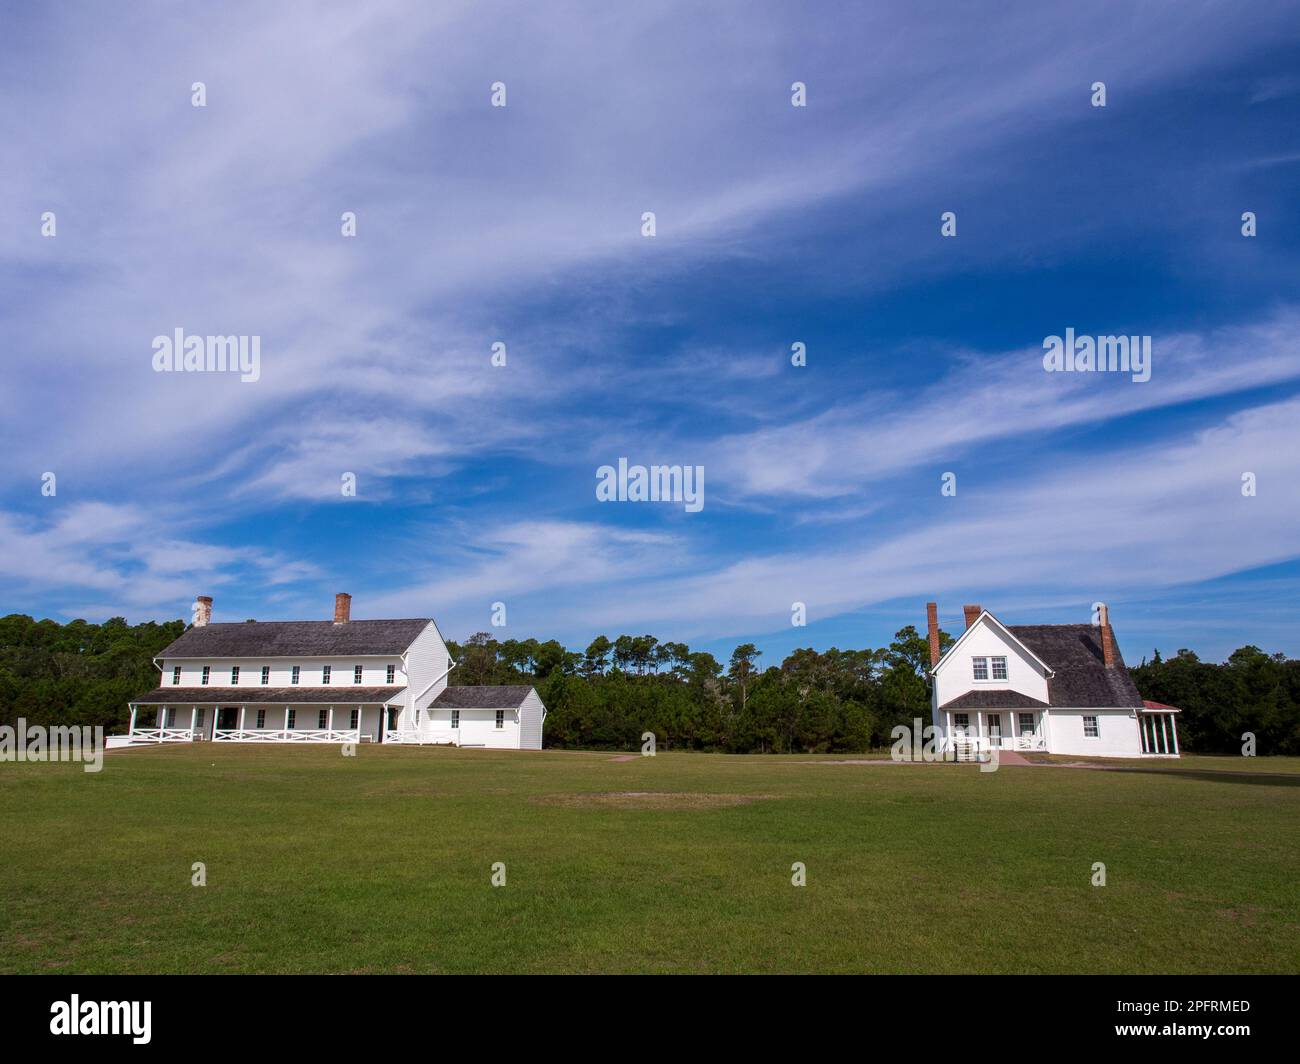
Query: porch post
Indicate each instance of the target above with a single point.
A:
(1173, 728)
(285, 732)
(194, 720)
(133, 709)
(1164, 735)
(329, 721)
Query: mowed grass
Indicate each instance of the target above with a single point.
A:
(382, 863)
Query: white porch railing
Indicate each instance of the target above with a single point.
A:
(970, 747)
(162, 735)
(423, 736)
(286, 735)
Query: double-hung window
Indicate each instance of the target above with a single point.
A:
(356, 674)
(980, 668)
(391, 675)
(176, 675)
(325, 674)
(1090, 727)
(207, 671)
(234, 676)
(297, 672)
(291, 719)
(354, 719)
(999, 668)
(1026, 723)
(261, 718)
(455, 718)
(501, 719)
(322, 719)
(266, 675)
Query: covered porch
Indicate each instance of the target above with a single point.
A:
(969, 732)
(1158, 728)
(304, 716)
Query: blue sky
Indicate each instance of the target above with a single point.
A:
(775, 224)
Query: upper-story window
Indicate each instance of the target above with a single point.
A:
(982, 668)
(356, 674)
(391, 675)
(325, 674)
(176, 675)
(207, 671)
(501, 719)
(234, 676)
(297, 671)
(266, 675)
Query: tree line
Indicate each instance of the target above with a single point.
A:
(608, 695)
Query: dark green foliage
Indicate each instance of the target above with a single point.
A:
(77, 673)
(1251, 692)
(609, 695)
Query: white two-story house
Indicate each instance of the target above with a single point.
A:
(337, 681)
(1055, 688)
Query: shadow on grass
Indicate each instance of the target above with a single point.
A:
(1213, 776)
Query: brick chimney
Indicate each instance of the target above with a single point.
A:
(202, 611)
(342, 608)
(932, 623)
(972, 614)
(1107, 636)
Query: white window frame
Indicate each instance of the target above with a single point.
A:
(323, 719)
(994, 665)
(261, 718)
(234, 676)
(501, 719)
(391, 675)
(207, 672)
(1095, 733)
(325, 672)
(266, 675)
(1021, 719)
(356, 673)
(977, 663)
(176, 675)
(295, 676)
(291, 720)
(354, 720)
(455, 718)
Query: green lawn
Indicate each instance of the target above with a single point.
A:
(382, 862)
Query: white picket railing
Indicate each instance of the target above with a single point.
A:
(976, 747)
(423, 736)
(162, 735)
(286, 735)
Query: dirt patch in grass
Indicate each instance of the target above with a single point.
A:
(649, 800)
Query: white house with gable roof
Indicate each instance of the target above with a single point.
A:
(1053, 688)
(340, 681)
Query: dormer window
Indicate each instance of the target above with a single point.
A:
(176, 675)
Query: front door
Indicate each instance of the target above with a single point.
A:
(995, 729)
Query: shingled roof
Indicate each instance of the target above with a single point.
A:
(1003, 699)
(272, 639)
(504, 697)
(343, 694)
(1080, 678)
